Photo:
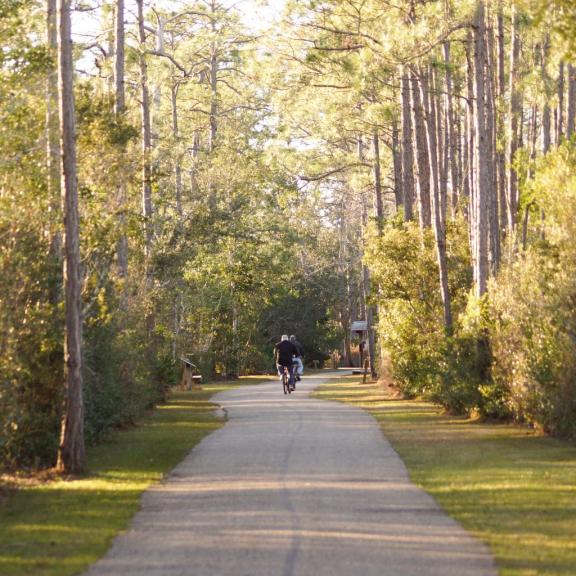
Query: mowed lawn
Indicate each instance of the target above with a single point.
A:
(509, 485)
(58, 528)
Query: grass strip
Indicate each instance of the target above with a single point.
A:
(513, 488)
(58, 528)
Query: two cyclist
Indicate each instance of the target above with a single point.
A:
(285, 354)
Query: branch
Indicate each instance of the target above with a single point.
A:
(343, 32)
(171, 58)
(344, 49)
(335, 171)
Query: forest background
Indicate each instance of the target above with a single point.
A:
(408, 164)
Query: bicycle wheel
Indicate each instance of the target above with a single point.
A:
(286, 383)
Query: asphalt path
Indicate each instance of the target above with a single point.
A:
(292, 486)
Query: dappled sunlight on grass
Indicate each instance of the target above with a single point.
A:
(513, 487)
(59, 527)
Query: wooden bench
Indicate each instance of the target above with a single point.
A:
(191, 380)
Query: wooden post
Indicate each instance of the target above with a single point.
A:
(366, 364)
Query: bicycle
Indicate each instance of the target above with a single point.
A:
(286, 381)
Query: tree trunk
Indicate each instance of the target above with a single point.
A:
(368, 310)
(500, 127)
(213, 81)
(146, 135)
(119, 64)
(430, 133)
(120, 109)
(177, 159)
(560, 121)
(53, 141)
(570, 121)
(470, 139)
(546, 113)
(378, 204)
(423, 161)
(451, 138)
(52, 119)
(397, 159)
(493, 213)
(71, 452)
(407, 149)
(483, 149)
(515, 117)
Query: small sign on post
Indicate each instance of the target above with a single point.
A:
(191, 380)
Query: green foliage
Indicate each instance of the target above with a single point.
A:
(533, 307)
(425, 361)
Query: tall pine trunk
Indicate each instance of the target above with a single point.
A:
(451, 138)
(493, 208)
(423, 161)
(480, 230)
(177, 158)
(378, 202)
(502, 178)
(515, 121)
(71, 452)
(560, 114)
(428, 94)
(368, 308)
(571, 118)
(407, 149)
(120, 109)
(146, 135)
(397, 160)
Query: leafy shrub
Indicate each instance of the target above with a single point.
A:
(533, 304)
(425, 359)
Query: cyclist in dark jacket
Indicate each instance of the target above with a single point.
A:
(284, 352)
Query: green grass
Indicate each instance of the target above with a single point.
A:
(57, 528)
(510, 486)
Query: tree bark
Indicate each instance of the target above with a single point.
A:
(430, 133)
(52, 118)
(368, 309)
(570, 120)
(120, 109)
(500, 127)
(493, 208)
(515, 117)
(451, 139)
(378, 204)
(483, 150)
(213, 81)
(560, 122)
(147, 207)
(470, 138)
(423, 161)
(119, 63)
(397, 160)
(546, 113)
(176, 138)
(71, 452)
(407, 149)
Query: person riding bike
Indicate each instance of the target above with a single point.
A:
(284, 352)
(298, 358)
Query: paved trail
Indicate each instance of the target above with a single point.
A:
(292, 486)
